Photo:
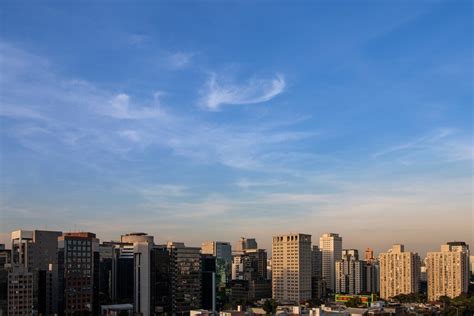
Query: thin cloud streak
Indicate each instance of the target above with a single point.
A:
(253, 91)
(439, 145)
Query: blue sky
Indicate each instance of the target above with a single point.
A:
(209, 120)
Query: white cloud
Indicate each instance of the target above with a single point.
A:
(119, 107)
(253, 91)
(21, 112)
(180, 59)
(131, 135)
(137, 39)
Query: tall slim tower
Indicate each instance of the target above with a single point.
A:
(448, 271)
(399, 272)
(291, 268)
(331, 248)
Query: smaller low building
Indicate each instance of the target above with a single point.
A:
(116, 309)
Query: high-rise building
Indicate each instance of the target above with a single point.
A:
(79, 273)
(369, 255)
(20, 290)
(251, 265)
(186, 278)
(318, 286)
(372, 274)
(35, 250)
(122, 274)
(259, 262)
(106, 263)
(291, 268)
(399, 272)
(142, 246)
(350, 273)
(448, 271)
(223, 253)
(5, 258)
(352, 253)
(244, 244)
(160, 281)
(208, 295)
(331, 248)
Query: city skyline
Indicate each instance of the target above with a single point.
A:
(211, 121)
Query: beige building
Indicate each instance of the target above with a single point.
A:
(448, 271)
(291, 268)
(399, 272)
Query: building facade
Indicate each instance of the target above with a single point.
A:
(223, 253)
(331, 248)
(79, 273)
(448, 271)
(20, 291)
(186, 277)
(372, 274)
(36, 250)
(350, 273)
(399, 272)
(291, 268)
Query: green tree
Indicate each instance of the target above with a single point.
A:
(270, 306)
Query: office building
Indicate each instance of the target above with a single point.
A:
(142, 246)
(223, 253)
(20, 290)
(78, 254)
(106, 263)
(35, 250)
(399, 272)
(331, 248)
(448, 271)
(259, 289)
(291, 268)
(244, 244)
(318, 286)
(186, 278)
(122, 274)
(160, 280)
(5, 258)
(208, 293)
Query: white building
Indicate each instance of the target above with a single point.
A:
(331, 248)
(142, 245)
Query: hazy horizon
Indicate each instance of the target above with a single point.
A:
(210, 121)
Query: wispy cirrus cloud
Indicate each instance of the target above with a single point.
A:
(219, 93)
(81, 116)
(438, 145)
(180, 60)
(120, 107)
